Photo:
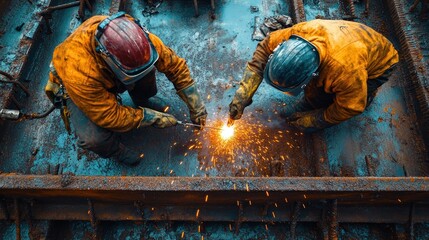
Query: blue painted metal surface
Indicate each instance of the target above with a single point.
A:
(216, 48)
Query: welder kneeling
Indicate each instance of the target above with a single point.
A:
(106, 56)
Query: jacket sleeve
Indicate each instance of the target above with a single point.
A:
(173, 66)
(102, 108)
(265, 48)
(350, 91)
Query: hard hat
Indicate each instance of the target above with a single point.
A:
(125, 47)
(292, 65)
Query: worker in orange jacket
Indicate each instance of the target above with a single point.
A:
(339, 65)
(106, 56)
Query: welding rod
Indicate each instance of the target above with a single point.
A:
(230, 122)
(196, 125)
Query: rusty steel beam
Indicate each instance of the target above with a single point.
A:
(119, 211)
(116, 6)
(49, 10)
(358, 199)
(417, 74)
(223, 190)
(297, 11)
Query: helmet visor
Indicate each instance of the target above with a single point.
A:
(127, 76)
(125, 47)
(292, 65)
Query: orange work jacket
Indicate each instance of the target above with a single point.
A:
(350, 55)
(89, 82)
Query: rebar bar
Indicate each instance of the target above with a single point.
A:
(27, 92)
(17, 219)
(333, 224)
(294, 219)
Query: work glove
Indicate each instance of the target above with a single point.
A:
(157, 119)
(243, 96)
(193, 100)
(310, 121)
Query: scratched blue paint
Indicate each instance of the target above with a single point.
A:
(8, 231)
(371, 133)
(313, 9)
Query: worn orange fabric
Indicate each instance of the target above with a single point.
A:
(91, 85)
(350, 55)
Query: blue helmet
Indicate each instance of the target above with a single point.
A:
(292, 65)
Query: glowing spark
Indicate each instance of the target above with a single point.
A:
(198, 213)
(183, 234)
(227, 132)
(399, 200)
(166, 108)
(267, 193)
(207, 198)
(274, 215)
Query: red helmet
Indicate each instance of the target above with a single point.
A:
(125, 47)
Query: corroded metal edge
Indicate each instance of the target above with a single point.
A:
(419, 83)
(357, 199)
(22, 183)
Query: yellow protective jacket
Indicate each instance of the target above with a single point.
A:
(91, 86)
(350, 55)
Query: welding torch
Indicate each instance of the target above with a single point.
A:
(16, 115)
(196, 125)
(230, 122)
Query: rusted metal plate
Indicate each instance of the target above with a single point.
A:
(220, 190)
(200, 213)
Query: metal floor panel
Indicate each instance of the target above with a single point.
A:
(216, 48)
(386, 140)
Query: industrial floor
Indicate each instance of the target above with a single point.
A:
(216, 45)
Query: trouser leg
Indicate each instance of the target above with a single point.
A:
(316, 97)
(99, 140)
(374, 84)
(91, 136)
(144, 89)
(313, 98)
(301, 105)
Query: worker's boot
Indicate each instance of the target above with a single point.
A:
(127, 156)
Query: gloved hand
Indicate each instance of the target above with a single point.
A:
(243, 97)
(309, 121)
(157, 119)
(193, 100)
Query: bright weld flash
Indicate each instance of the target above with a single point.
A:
(227, 132)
